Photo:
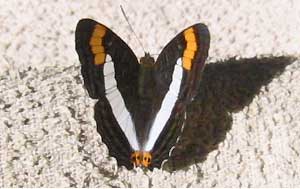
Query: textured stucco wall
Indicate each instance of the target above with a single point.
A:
(47, 131)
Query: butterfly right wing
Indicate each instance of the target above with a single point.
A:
(110, 72)
(178, 73)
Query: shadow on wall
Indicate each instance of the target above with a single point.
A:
(226, 87)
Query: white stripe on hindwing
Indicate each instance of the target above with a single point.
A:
(117, 104)
(166, 108)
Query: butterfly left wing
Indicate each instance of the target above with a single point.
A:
(178, 73)
(110, 72)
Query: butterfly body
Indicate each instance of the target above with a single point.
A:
(141, 108)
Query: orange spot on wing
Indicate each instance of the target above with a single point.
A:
(99, 31)
(97, 49)
(96, 45)
(189, 53)
(95, 41)
(187, 63)
(189, 35)
(136, 158)
(139, 158)
(99, 58)
(147, 158)
(189, 30)
(191, 46)
(100, 27)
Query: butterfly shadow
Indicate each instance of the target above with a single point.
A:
(226, 87)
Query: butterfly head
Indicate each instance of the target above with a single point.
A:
(147, 60)
(141, 159)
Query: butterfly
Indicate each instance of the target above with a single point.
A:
(141, 108)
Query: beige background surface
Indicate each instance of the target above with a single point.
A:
(48, 134)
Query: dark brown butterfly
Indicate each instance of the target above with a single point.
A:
(141, 108)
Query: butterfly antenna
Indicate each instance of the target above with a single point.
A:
(127, 20)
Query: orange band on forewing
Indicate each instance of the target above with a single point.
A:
(99, 58)
(189, 36)
(187, 63)
(96, 44)
(97, 49)
(191, 48)
(189, 53)
(95, 41)
(99, 31)
(189, 30)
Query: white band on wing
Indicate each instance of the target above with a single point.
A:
(117, 104)
(168, 103)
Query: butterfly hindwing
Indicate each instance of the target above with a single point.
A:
(112, 135)
(178, 73)
(110, 72)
